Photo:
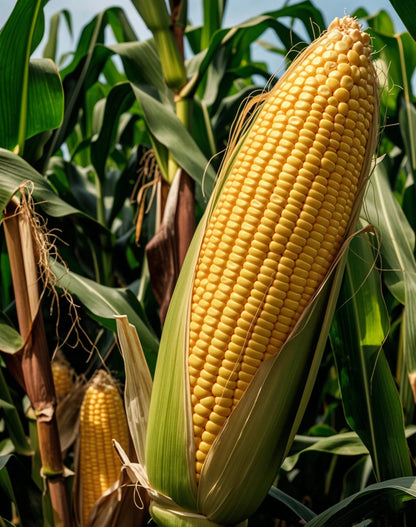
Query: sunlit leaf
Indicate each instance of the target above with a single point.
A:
(32, 98)
(45, 97)
(342, 444)
(141, 63)
(169, 130)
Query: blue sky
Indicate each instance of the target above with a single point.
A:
(237, 11)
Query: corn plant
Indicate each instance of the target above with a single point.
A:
(121, 142)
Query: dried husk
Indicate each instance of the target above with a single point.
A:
(122, 504)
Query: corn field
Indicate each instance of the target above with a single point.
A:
(208, 273)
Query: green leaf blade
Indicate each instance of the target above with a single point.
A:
(45, 97)
(14, 172)
(105, 303)
(16, 43)
(370, 398)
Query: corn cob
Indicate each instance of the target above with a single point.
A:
(102, 419)
(63, 377)
(279, 221)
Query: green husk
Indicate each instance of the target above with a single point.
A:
(169, 433)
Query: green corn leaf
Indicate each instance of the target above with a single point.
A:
(12, 420)
(10, 339)
(158, 20)
(106, 302)
(166, 132)
(397, 243)
(32, 97)
(405, 10)
(141, 64)
(118, 101)
(212, 21)
(87, 64)
(169, 131)
(45, 107)
(94, 33)
(163, 516)
(298, 508)
(343, 444)
(49, 51)
(370, 398)
(396, 60)
(237, 39)
(375, 501)
(407, 122)
(15, 171)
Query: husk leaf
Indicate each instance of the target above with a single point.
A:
(138, 386)
(164, 516)
(230, 488)
(122, 504)
(169, 442)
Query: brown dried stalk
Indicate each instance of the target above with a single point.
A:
(31, 365)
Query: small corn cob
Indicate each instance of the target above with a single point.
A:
(102, 419)
(279, 221)
(63, 377)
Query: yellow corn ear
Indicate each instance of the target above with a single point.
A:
(279, 221)
(63, 377)
(250, 315)
(102, 419)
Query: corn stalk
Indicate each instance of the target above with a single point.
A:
(31, 365)
(166, 251)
